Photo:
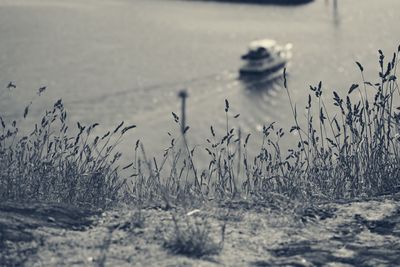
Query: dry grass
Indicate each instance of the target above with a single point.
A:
(349, 154)
(353, 153)
(51, 164)
(193, 237)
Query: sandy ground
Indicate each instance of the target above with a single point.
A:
(357, 233)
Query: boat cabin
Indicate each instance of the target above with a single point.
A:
(260, 49)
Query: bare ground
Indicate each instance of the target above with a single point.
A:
(356, 233)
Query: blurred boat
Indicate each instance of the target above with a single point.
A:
(265, 60)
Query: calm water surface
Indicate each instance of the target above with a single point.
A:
(114, 60)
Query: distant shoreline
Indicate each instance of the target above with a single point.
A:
(269, 2)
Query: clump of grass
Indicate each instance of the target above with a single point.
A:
(51, 164)
(138, 220)
(193, 237)
(356, 151)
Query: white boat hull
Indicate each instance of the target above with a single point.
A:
(265, 67)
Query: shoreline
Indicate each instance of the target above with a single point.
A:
(263, 2)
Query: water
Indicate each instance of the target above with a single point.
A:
(114, 60)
